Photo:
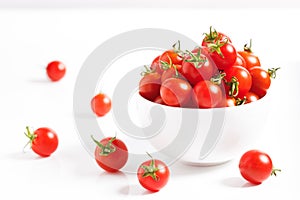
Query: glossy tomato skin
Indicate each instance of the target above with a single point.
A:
(114, 161)
(240, 61)
(45, 141)
(195, 72)
(251, 60)
(170, 57)
(56, 70)
(255, 166)
(228, 57)
(149, 86)
(155, 65)
(207, 94)
(261, 81)
(162, 175)
(101, 104)
(172, 72)
(175, 92)
(251, 97)
(243, 77)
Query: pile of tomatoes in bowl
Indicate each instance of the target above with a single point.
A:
(212, 75)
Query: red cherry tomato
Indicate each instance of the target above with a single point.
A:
(172, 72)
(56, 70)
(159, 100)
(241, 75)
(43, 141)
(149, 85)
(223, 54)
(261, 81)
(170, 57)
(240, 61)
(153, 175)
(256, 166)
(207, 94)
(101, 104)
(155, 66)
(214, 36)
(111, 154)
(175, 92)
(197, 67)
(251, 60)
(251, 97)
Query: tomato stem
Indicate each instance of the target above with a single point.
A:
(240, 101)
(272, 72)
(196, 60)
(106, 149)
(217, 80)
(151, 169)
(274, 171)
(248, 48)
(30, 136)
(233, 87)
(147, 71)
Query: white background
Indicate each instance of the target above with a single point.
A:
(32, 37)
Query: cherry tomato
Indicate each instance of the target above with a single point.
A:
(223, 54)
(149, 85)
(213, 36)
(101, 104)
(251, 60)
(155, 66)
(111, 154)
(196, 67)
(241, 78)
(261, 81)
(56, 70)
(170, 57)
(256, 166)
(207, 94)
(43, 141)
(251, 97)
(153, 174)
(174, 71)
(175, 92)
(240, 61)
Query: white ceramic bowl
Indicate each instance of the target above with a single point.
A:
(203, 136)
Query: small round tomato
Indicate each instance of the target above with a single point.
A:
(173, 71)
(207, 94)
(111, 154)
(101, 104)
(223, 54)
(149, 85)
(196, 67)
(256, 166)
(56, 70)
(251, 97)
(153, 174)
(240, 61)
(175, 92)
(213, 36)
(251, 60)
(240, 78)
(43, 141)
(159, 100)
(170, 57)
(261, 80)
(155, 66)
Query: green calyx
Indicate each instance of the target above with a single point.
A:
(274, 171)
(146, 71)
(211, 36)
(150, 170)
(233, 87)
(195, 59)
(272, 72)
(247, 47)
(105, 149)
(30, 136)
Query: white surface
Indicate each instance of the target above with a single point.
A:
(31, 38)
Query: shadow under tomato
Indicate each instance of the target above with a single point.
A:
(134, 190)
(237, 182)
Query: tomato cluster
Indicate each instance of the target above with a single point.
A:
(212, 75)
